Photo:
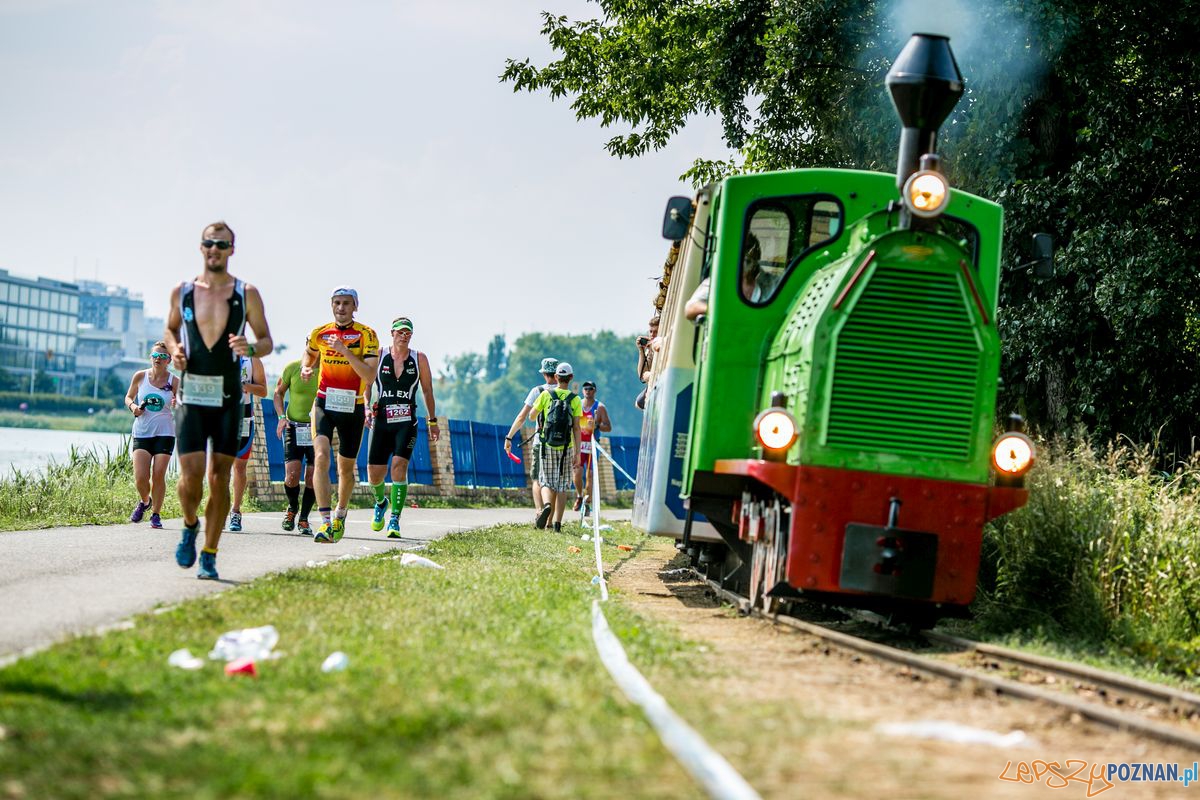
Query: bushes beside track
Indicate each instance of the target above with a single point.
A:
(1107, 552)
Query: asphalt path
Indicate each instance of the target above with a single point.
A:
(58, 582)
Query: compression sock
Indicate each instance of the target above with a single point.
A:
(293, 496)
(399, 492)
(306, 505)
(380, 492)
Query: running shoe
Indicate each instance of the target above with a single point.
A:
(235, 522)
(208, 567)
(139, 511)
(304, 528)
(578, 503)
(156, 522)
(394, 527)
(339, 528)
(558, 527)
(324, 534)
(543, 517)
(380, 509)
(185, 553)
(289, 520)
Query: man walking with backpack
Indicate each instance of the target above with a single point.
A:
(560, 410)
(526, 414)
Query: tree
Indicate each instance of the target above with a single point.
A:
(496, 362)
(1078, 118)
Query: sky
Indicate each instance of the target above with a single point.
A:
(361, 143)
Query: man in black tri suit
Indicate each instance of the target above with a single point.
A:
(393, 420)
(206, 336)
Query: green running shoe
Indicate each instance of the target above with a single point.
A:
(324, 534)
(339, 528)
(380, 509)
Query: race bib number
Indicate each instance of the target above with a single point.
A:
(304, 436)
(245, 430)
(204, 390)
(399, 412)
(585, 447)
(340, 399)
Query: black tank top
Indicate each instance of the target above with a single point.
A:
(220, 360)
(396, 389)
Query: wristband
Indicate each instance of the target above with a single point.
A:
(433, 421)
(508, 438)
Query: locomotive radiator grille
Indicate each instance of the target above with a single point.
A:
(907, 366)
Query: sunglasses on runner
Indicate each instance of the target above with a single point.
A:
(220, 244)
(160, 356)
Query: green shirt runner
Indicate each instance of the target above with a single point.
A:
(301, 393)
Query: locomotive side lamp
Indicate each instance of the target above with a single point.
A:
(1012, 456)
(775, 428)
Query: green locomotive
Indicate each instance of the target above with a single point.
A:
(826, 427)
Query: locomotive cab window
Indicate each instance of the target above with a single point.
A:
(779, 232)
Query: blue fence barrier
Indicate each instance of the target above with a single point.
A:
(477, 449)
(624, 450)
(479, 457)
(420, 470)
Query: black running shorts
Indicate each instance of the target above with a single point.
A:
(196, 425)
(390, 440)
(293, 451)
(348, 424)
(155, 445)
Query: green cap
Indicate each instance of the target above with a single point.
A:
(402, 324)
(548, 365)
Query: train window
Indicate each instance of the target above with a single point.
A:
(779, 231)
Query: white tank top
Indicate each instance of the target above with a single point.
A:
(156, 419)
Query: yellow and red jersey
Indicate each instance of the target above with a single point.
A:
(335, 371)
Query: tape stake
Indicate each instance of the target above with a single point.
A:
(706, 765)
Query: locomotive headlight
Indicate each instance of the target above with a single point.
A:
(775, 429)
(926, 193)
(1012, 455)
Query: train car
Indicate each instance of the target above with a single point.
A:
(839, 389)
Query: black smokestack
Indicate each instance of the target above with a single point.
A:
(925, 84)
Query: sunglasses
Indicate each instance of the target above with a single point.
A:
(160, 356)
(220, 244)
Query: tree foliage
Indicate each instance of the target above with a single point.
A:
(1079, 118)
(467, 390)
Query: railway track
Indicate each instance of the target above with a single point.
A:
(1165, 714)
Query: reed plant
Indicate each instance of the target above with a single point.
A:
(1105, 554)
(90, 487)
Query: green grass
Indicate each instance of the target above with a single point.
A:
(477, 681)
(1103, 562)
(85, 489)
(104, 421)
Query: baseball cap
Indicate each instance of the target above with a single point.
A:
(548, 365)
(344, 291)
(589, 384)
(563, 369)
(402, 324)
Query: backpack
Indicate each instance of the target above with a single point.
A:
(557, 429)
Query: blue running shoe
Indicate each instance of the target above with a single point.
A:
(324, 534)
(139, 511)
(185, 553)
(339, 529)
(208, 567)
(380, 509)
(235, 522)
(394, 527)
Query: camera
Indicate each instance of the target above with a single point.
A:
(643, 341)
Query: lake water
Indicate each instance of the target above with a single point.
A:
(32, 448)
